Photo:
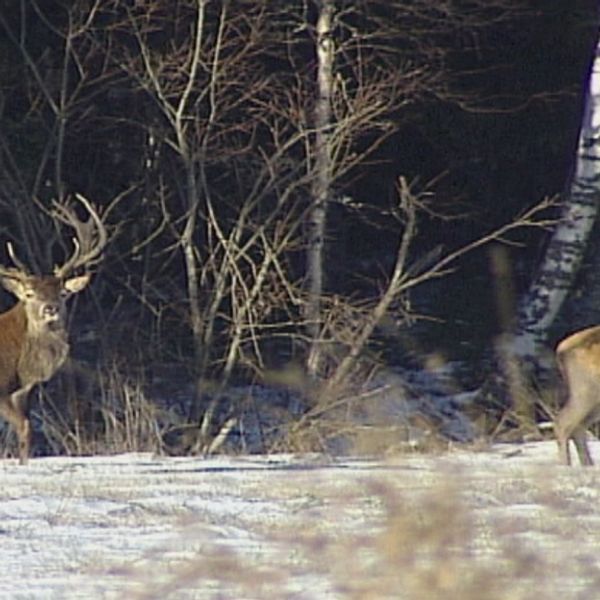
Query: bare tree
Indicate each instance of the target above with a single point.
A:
(275, 134)
(408, 272)
(321, 188)
(221, 116)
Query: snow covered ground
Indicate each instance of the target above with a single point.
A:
(507, 522)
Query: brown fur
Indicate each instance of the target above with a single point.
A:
(33, 343)
(13, 325)
(578, 358)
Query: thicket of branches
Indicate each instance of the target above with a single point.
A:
(191, 125)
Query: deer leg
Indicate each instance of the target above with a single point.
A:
(25, 441)
(563, 431)
(20, 402)
(579, 437)
(15, 410)
(564, 452)
(570, 423)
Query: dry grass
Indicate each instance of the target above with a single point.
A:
(100, 413)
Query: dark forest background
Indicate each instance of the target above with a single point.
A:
(204, 183)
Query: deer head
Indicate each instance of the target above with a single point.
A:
(43, 298)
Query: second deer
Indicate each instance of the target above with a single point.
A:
(578, 358)
(33, 335)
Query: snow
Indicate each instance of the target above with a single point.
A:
(503, 522)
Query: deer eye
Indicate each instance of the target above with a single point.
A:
(29, 294)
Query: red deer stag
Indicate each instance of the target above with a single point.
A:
(578, 358)
(33, 335)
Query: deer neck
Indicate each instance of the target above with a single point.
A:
(44, 351)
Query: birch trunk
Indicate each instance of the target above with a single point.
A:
(317, 217)
(564, 254)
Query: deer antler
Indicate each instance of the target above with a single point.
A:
(90, 236)
(19, 270)
(15, 260)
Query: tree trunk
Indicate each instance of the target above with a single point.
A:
(522, 349)
(321, 187)
(564, 253)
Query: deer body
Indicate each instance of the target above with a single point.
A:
(33, 334)
(578, 358)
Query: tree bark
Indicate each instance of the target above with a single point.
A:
(321, 186)
(564, 253)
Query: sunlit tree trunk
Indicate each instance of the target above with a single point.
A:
(567, 246)
(321, 186)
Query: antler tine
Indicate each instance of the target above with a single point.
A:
(15, 260)
(19, 270)
(101, 233)
(89, 240)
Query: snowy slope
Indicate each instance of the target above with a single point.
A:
(507, 522)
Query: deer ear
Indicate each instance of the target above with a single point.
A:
(14, 285)
(76, 284)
